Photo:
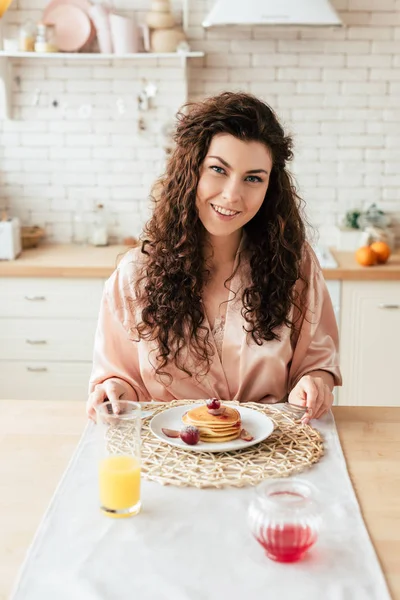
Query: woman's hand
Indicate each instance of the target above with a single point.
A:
(113, 389)
(313, 393)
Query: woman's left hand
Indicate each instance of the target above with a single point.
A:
(313, 394)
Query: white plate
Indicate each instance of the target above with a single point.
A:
(256, 423)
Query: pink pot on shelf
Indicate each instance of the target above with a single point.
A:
(124, 35)
(101, 19)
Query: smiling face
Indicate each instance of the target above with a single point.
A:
(233, 182)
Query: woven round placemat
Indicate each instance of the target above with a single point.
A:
(291, 448)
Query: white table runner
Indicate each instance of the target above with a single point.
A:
(190, 544)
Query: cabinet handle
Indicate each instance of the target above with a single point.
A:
(35, 298)
(36, 342)
(36, 369)
(389, 306)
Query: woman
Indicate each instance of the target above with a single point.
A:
(224, 298)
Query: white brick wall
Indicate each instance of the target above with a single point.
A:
(336, 90)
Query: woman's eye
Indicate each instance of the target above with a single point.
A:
(253, 179)
(217, 169)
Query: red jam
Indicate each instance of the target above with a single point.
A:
(286, 543)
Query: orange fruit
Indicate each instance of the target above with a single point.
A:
(366, 257)
(382, 250)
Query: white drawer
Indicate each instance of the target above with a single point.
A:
(48, 297)
(24, 380)
(47, 339)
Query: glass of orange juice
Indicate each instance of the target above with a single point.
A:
(119, 458)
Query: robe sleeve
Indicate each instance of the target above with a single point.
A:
(115, 351)
(316, 343)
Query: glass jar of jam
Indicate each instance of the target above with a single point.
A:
(285, 517)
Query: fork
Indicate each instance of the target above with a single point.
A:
(295, 410)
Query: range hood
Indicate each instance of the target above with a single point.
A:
(272, 12)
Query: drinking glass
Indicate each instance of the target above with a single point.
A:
(118, 437)
(285, 517)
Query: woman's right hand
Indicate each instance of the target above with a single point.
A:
(112, 389)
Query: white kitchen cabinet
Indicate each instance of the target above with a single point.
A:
(47, 339)
(41, 380)
(45, 297)
(47, 328)
(369, 343)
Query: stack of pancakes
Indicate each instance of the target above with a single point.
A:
(214, 428)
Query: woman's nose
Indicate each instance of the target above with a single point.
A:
(232, 191)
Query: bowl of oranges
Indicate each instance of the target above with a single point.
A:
(376, 253)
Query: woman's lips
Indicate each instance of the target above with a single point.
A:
(222, 216)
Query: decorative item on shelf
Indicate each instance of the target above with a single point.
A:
(125, 34)
(183, 47)
(148, 91)
(99, 236)
(375, 225)
(83, 5)
(360, 228)
(72, 27)
(350, 220)
(160, 16)
(145, 37)
(166, 40)
(164, 36)
(27, 37)
(348, 232)
(10, 237)
(36, 97)
(10, 44)
(100, 16)
(31, 236)
(46, 38)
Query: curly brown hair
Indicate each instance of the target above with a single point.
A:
(170, 288)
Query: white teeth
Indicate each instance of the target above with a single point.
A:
(224, 211)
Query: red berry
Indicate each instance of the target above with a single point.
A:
(246, 436)
(172, 433)
(190, 435)
(213, 403)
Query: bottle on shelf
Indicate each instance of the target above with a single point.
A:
(80, 228)
(27, 36)
(99, 235)
(45, 38)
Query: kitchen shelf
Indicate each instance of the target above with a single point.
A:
(98, 56)
(6, 59)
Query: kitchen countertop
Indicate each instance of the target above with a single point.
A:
(68, 260)
(64, 260)
(349, 269)
(37, 438)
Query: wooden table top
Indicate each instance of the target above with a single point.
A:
(348, 268)
(69, 260)
(37, 439)
(64, 260)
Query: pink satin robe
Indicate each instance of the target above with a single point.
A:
(246, 372)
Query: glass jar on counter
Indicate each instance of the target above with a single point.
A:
(99, 236)
(46, 38)
(80, 228)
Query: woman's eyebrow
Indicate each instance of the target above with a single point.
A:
(229, 166)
